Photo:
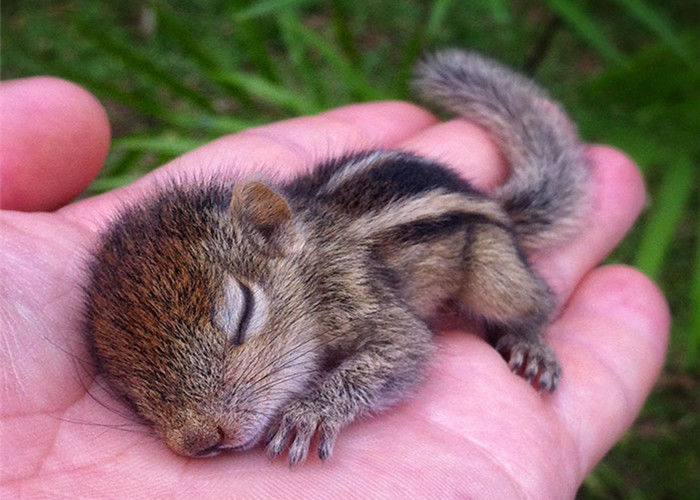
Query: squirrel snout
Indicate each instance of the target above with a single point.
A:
(199, 442)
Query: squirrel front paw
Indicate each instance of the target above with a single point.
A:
(301, 419)
(531, 359)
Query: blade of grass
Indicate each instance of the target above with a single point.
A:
(579, 20)
(163, 144)
(135, 100)
(104, 184)
(134, 59)
(604, 480)
(170, 143)
(645, 80)
(657, 24)
(248, 33)
(691, 359)
(668, 209)
(436, 17)
(238, 84)
(542, 46)
(268, 91)
(340, 15)
(297, 53)
(221, 124)
(163, 158)
(124, 164)
(500, 10)
(421, 38)
(178, 33)
(265, 7)
(356, 82)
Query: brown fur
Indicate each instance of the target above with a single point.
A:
(227, 314)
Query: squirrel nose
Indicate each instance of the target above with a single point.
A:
(203, 443)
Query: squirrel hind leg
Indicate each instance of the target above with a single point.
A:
(501, 288)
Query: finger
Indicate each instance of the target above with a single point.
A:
(609, 371)
(278, 150)
(55, 139)
(618, 195)
(618, 199)
(465, 147)
(284, 148)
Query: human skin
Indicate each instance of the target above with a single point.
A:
(473, 429)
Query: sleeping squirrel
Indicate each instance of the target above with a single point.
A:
(230, 314)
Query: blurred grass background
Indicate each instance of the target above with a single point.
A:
(174, 75)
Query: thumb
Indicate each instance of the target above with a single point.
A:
(55, 137)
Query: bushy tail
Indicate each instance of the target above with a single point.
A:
(547, 192)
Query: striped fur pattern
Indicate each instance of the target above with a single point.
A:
(226, 315)
(548, 192)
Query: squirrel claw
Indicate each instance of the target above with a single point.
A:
(302, 419)
(532, 360)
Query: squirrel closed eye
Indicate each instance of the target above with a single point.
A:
(227, 315)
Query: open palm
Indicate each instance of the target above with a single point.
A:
(473, 429)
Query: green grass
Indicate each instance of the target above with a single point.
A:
(174, 75)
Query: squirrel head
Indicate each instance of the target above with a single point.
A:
(192, 321)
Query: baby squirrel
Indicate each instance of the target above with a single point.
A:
(226, 315)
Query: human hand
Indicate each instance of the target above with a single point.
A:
(473, 429)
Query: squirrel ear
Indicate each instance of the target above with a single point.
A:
(266, 210)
